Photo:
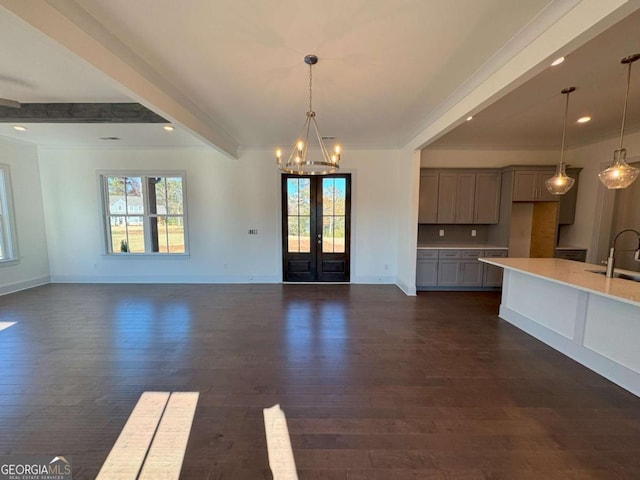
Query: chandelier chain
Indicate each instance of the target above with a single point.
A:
(310, 89)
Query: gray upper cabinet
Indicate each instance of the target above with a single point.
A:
(428, 208)
(528, 186)
(487, 198)
(459, 196)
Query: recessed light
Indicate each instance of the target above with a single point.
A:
(557, 61)
(20, 128)
(168, 128)
(469, 118)
(584, 119)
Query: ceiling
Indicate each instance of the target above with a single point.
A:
(532, 116)
(236, 69)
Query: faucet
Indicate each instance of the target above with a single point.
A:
(612, 251)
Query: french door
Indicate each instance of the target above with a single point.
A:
(316, 221)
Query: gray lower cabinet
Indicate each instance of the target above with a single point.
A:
(577, 254)
(492, 275)
(457, 268)
(427, 268)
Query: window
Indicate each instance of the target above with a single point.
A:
(144, 213)
(8, 244)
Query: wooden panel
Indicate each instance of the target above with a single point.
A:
(492, 275)
(428, 208)
(448, 273)
(543, 229)
(487, 198)
(542, 194)
(465, 197)
(447, 193)
(471, 273)
(427, 253)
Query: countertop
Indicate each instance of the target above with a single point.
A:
(459, 246)
(574, 274)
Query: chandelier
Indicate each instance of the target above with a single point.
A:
(620, 174)
(560, 183)
(299, 162)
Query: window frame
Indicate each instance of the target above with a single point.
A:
(107, 247)
(8, 229)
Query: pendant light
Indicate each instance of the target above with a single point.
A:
(620, 174)
(560, 183)
(299, 163)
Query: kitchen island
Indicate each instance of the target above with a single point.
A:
(593, 319)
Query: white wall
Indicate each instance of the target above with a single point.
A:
(225, 198)
(33, 265)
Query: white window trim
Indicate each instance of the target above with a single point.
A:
(8, 228)
(104, 214)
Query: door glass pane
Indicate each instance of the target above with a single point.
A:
(334, 196)
(299, 214)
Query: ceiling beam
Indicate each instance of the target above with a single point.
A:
(79, 113)
(67, 24)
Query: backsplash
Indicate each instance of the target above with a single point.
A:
(453, 234)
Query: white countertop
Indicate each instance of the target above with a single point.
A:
(459, 246)
(573, 274)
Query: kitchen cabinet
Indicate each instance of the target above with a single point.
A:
(428, 207)
(457, 269)
(528, 186)
(448, 268)
(459, 196)
(427, 268)
(487, 198)
(576, 254)
(471, 270)
(492, 275)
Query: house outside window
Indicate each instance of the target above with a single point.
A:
(144, 213)
(8, 241)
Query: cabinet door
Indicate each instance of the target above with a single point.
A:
(487, 198)
(470, 273)
(492, 275)
(448, 273)
(426, 273)
(525, 185)
(465, 197)
(428, 208)
(447, 193)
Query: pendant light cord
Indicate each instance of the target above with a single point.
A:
(564, 128)
(624, 110)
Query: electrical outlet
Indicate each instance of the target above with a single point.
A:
(474, 233)
(442, 233)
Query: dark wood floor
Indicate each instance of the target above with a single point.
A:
(375, 385)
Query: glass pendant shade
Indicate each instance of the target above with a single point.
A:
(560, 183)
(620, 174)
(303, 160)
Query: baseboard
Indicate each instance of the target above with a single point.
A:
(235, 279)
(410, 291)
(24, 285)
(374, 280)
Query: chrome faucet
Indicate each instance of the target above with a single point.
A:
(612, 251)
